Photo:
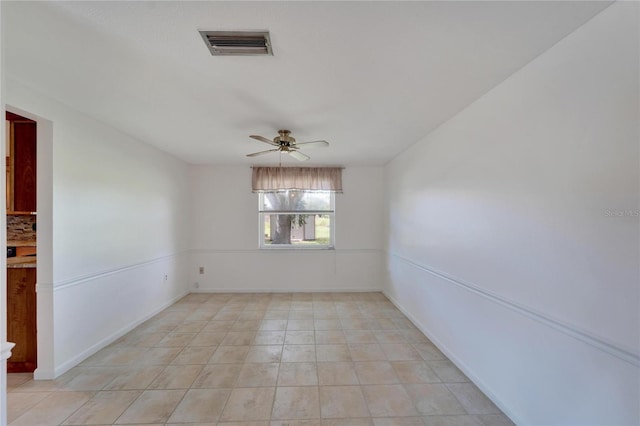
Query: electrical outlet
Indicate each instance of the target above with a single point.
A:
(196, 285)
(201, 270)
(166, 277)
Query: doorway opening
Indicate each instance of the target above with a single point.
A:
(45, 366)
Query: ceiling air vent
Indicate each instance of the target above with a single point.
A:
(237, 43)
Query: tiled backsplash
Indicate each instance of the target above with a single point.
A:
(20, 228)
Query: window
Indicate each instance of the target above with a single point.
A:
(297, 219)
(296, 205)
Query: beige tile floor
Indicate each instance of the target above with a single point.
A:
(326, 359)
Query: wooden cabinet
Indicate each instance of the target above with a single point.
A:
(21, 319)
(21, 164)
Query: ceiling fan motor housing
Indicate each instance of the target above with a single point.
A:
(284, 139)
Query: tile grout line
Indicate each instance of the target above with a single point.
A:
(359, 320)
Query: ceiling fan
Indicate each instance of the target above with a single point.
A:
(287, 144)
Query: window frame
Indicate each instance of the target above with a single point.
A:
(332, 228)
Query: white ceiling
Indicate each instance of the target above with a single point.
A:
(372, 78)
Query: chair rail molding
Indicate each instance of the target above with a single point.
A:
(625, 354)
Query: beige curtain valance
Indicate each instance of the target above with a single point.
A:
(268, 179)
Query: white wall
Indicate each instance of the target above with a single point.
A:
(224, 237)
(504, 242)
(118, 225)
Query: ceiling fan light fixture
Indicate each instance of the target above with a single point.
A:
(237, 43)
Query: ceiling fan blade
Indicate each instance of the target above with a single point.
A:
(263, 139)
(298, 155)
(255, 154)
(314, 144)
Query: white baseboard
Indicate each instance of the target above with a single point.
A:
(289, 290)
(69, 364)
(455, 360)
(625, 354)
(41, 374)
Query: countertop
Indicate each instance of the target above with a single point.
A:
(22, 262)
(16, 243)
